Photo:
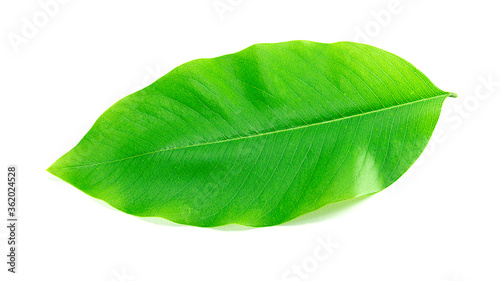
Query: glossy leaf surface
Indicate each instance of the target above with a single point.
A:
(258, 137)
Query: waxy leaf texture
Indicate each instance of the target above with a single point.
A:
(258, 137)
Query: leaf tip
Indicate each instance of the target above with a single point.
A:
(453, 95)
(54, 168)
(50, 169)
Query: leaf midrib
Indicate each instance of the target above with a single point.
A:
(446, 94)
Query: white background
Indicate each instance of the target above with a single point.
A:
(440, 222)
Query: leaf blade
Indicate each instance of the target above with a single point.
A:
(222, 146)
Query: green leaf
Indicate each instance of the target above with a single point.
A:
(258, 137)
